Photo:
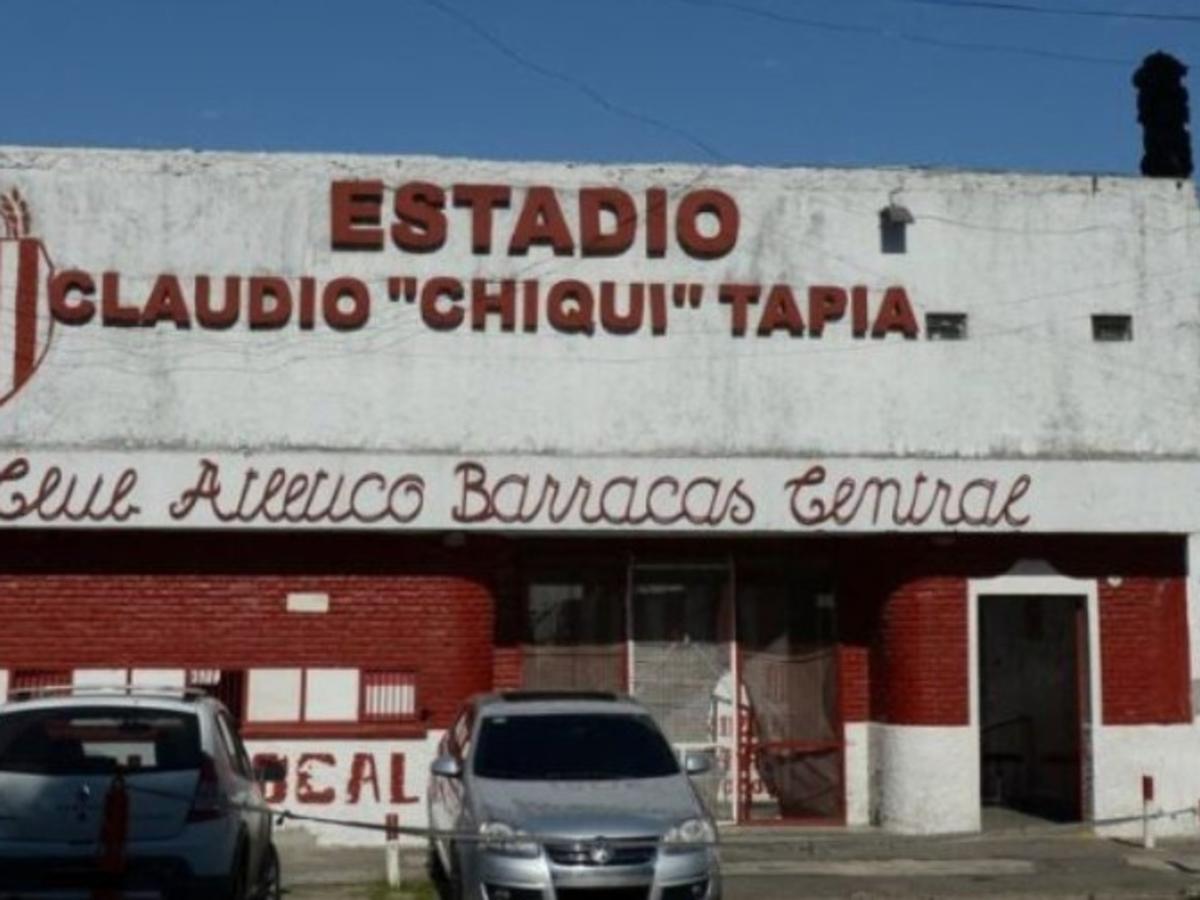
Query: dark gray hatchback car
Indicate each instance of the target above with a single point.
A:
(548, 796)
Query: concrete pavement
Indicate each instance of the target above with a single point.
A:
(771, 863)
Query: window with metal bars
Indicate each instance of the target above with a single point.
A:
(32, 679)
(227, 685)
(387, 696)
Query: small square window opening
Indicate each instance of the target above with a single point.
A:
(946, 326)
(1112, 327)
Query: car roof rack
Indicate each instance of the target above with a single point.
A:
(44, 691)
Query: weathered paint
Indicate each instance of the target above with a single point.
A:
(1027, 257)
(729, 495)
(358, 781)
(922, 780)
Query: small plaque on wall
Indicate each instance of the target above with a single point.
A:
(307, 602)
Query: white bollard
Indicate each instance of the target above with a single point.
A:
(1147, 812)
(391, 852)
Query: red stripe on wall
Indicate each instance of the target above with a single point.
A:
(28, 271)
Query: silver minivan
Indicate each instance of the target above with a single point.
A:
(192, 820)
(552, 796)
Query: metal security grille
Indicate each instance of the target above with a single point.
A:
(680, 662)
(388, 696)
(31, 679)
(575, 638)
(227, 685)
(791, 748)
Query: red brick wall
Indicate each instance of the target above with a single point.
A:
(858, 599)
(1144, 656)
(438, 626)
(455, 613)
(918, 661)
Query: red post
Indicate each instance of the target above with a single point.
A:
(114, 831)
(1148, 840)
(391, 850)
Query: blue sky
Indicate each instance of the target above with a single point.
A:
(758, 82)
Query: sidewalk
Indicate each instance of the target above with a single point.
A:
(764, 863)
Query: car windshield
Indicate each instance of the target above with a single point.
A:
(91, 740)
(572, 747)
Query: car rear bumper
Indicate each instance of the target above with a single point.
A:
(165, 875)
(200, 856)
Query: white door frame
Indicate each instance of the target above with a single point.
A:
(1038, 580)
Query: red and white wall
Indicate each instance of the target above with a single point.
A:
(448, 619)
(332, 489)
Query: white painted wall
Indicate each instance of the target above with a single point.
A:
(732, 495)
(922, 781)
(1168, 753)
(159, 677)
(331, 695)
(3, 685)
(273, 695)
(857, 763)
(1028, 257)
(418, 755)
(100, 677)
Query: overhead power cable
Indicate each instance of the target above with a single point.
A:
(580, 86)
(906, 36)
(1087, 13)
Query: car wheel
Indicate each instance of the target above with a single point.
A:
(270, 877)
(454, 880)
(433, 865)
(236, 883)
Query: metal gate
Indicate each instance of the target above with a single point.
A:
(680, 664)
(739, 665)
(790, 756)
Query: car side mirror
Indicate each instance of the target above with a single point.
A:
(447, 767)
(271, 771)
(697, 763)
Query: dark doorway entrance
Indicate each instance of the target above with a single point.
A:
(1033, 704)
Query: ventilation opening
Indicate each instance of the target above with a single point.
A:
(1112, 328)
(946, 326)
(387, 696)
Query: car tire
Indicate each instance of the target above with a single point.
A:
(269, 885)
(454, 881)
(433, 864)
(237, 885)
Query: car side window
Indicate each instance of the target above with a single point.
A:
(234, 750)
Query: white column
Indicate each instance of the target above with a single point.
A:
(858, 774)
(927, 778)
(1193, 612)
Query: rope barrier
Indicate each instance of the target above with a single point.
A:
(282, 815)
